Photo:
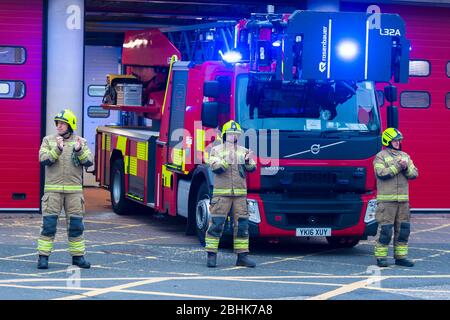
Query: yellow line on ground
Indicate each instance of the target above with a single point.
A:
(232, 268)
(346, 288)
(101, 222)
(282, 260)
(432, 229)
(286, 282)
(98, 292)
(115, 228)
(408, 290)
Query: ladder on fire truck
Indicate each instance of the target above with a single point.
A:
(202, 42)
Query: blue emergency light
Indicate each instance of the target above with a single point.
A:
(231, 56)
(348, 49)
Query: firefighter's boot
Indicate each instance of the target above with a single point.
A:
(42, 262)
(382, 263)
(80, 262)
(244, 261)
(212, 260)
(404, 262)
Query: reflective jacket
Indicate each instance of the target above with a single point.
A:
(229, 168)
(392, 181)
(63, 169)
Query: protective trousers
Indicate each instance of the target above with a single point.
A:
(52, 204)
(393, 217)
(219, 208)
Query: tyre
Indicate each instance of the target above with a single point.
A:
(202, 213)
(343, 242)
(120, 204)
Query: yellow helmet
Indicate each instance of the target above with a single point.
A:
(231, 127)
(389, 135)
(68, 117)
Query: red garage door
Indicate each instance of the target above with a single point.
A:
(21, 23)
(424, 102)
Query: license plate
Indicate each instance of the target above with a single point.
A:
(313, 232)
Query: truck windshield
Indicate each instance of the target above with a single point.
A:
(306, 106)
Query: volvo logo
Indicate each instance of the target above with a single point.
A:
(315, 148)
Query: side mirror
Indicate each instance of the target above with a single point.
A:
(210, 114)
(390, 93)
(211, 89)
(392, 117)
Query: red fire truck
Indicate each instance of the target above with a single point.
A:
(301, 86)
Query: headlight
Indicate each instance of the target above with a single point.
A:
(253, 211)
(370, 211)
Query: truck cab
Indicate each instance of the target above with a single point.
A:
(302, 86)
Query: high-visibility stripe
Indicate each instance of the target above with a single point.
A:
(84, 155)
(77, 247)
(177, 157)
(393, 169)
(200, 140)
(103, 141)
(225, 164)
(122, 144)
(134, 197)
(381, 251)
(126, 161)
(379, 166)
(401, 251)
(45, 246)
(142, 151)
(240, 191)
(211, 243)
(392, 197)
(108, 142)
(54, 154)
(241, 243)
(388, 158)
(173, 59)
(55, 187)
(219, 191)
(133, 166)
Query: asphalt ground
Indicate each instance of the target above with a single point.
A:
(145, 256)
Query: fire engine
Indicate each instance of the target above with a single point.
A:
(301, 85)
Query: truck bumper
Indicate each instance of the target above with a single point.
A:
(281, 215)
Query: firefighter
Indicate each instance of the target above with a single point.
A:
(393, 169)
(229, 163)
(64, 155)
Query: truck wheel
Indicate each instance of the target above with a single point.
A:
(343, 242)
(202, 213)
(120, 204)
